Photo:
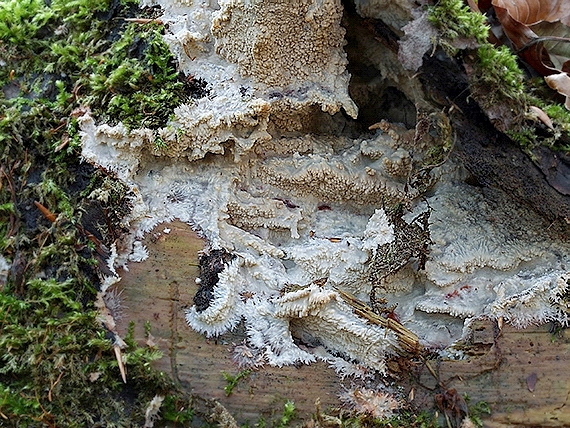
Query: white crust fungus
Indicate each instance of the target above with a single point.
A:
(295, 45)
(297, 209)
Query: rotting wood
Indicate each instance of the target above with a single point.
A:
(497, 369)
(160, 288)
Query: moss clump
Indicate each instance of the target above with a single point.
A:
(497, 82)
(136, 81)
(454, 19)
(57, 362)
(499, 68)
(495, 67)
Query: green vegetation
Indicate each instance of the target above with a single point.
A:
(500, 69)
(281, 421)
(497, 82)
(497, 67)
(176, 410)
(136, 81)
(57, 362)
(477, 411)
(288, 413)
(232, 381)
(454, 19)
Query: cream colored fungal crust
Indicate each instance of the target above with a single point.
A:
(225, 309)
(537, 303)
(248, 212)
(295, 209)
(481, 233)
(337, 328)
(330, 178)
(209, 125)
(291, 44)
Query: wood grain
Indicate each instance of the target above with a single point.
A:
(158, 290)
(522, 374)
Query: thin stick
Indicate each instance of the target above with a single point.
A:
(120, 362)
(542, 39)
(408, 340)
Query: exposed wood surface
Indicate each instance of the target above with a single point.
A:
(158, 290)
(523, 375)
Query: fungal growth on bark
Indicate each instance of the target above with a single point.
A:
(311, 216)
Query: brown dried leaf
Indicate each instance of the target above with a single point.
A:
(47, 213)
(531, 381)
(526, 21)
(561, 83)
(521, 35)
(530, 12)
(63, 144)
(558, 50)
(418, 39)
(542, 116)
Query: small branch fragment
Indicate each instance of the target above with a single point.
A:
(408, 340)
(144, 21)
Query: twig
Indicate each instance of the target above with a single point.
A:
(144, 20)
(540, 40)
(409, 341)
(53, 385)
(119, 357)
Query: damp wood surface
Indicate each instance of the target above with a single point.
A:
(522, 374)
(160, 288)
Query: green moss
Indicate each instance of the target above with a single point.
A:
(20, 21)
(232, 380)
(478, 411)
(136, 81)
(176, 410)
(287, 415)
(525, 136)
(499, 68)
(496, 68)
(497, 82)
(55, 356)
(454, 19)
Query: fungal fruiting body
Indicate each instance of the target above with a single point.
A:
(310, 216)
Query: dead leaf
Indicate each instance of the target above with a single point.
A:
(64, 142)
(542, 116)
(530, 12)
(418, 39)
(531, 381)
(561, 83)
(47, 213)
(522, 38)
(556, 41)
(538, 29)
(94, 376)
(150, 342)
(80, 111)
